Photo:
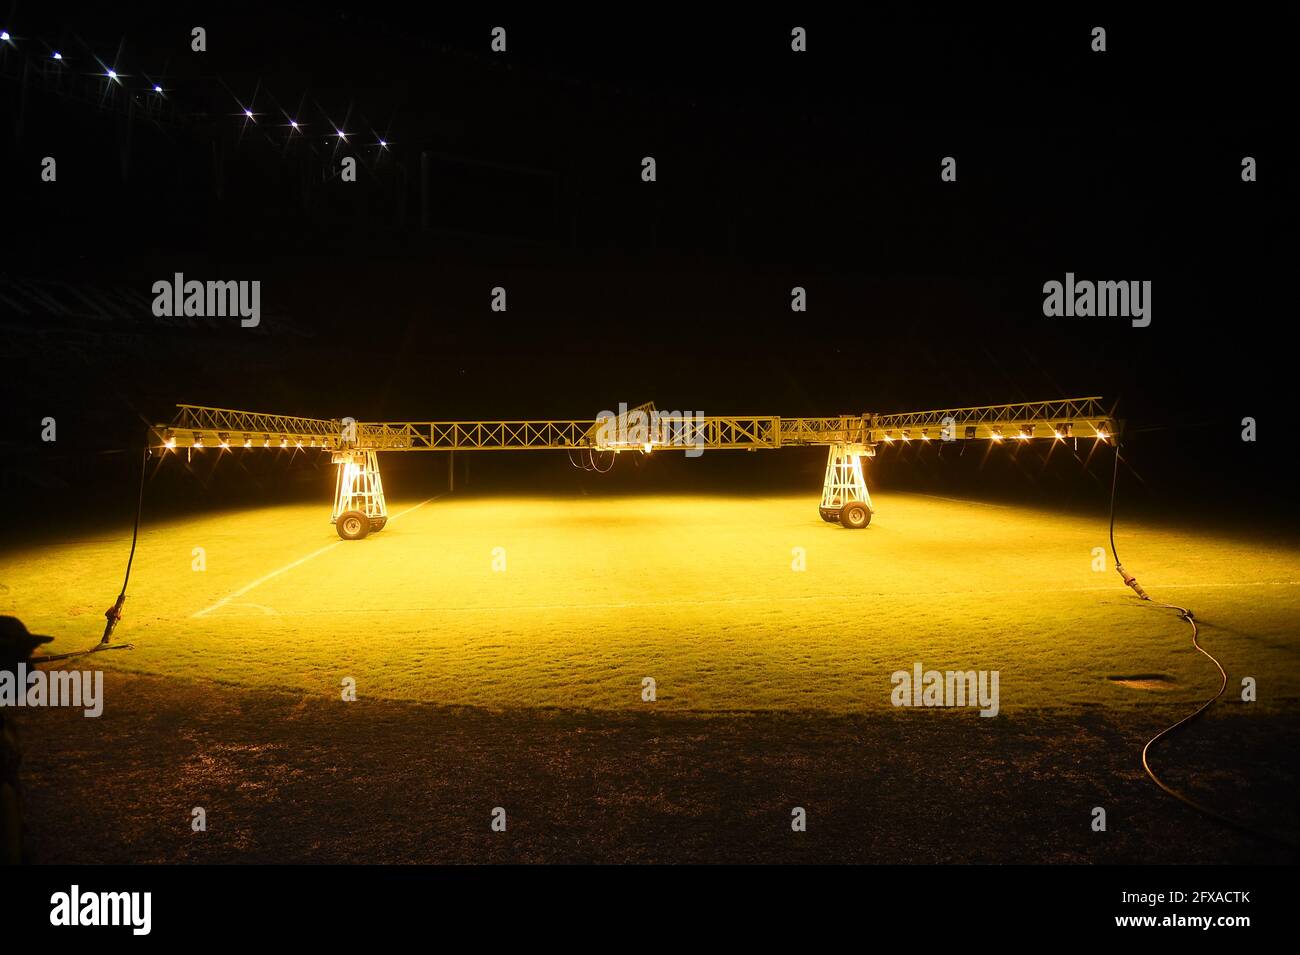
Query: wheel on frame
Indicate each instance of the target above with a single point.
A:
(377, 523)
(352, 525)
(855, 515)
(831, 515)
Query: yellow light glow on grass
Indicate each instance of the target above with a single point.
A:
(726, 625)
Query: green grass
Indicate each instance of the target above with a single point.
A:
(696, 592)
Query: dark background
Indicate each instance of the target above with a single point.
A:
(775, 169)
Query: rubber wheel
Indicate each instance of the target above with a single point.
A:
(831, 515)
(377, 524)
(352, 525)
(855, 515)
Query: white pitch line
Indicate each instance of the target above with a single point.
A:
(958, 500)
(797, 598)
(261, 580)
(413, 507)
(287, 567)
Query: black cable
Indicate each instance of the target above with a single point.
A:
(1187, 615)
(114, 613)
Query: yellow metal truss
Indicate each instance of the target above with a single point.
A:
(359, 505)
(197, 426)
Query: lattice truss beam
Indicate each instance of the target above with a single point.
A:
(641, 429)
(1065, 418)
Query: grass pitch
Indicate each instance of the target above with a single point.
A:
(519, 602)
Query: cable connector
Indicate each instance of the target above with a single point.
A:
(113, 614)
(1131, 581)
